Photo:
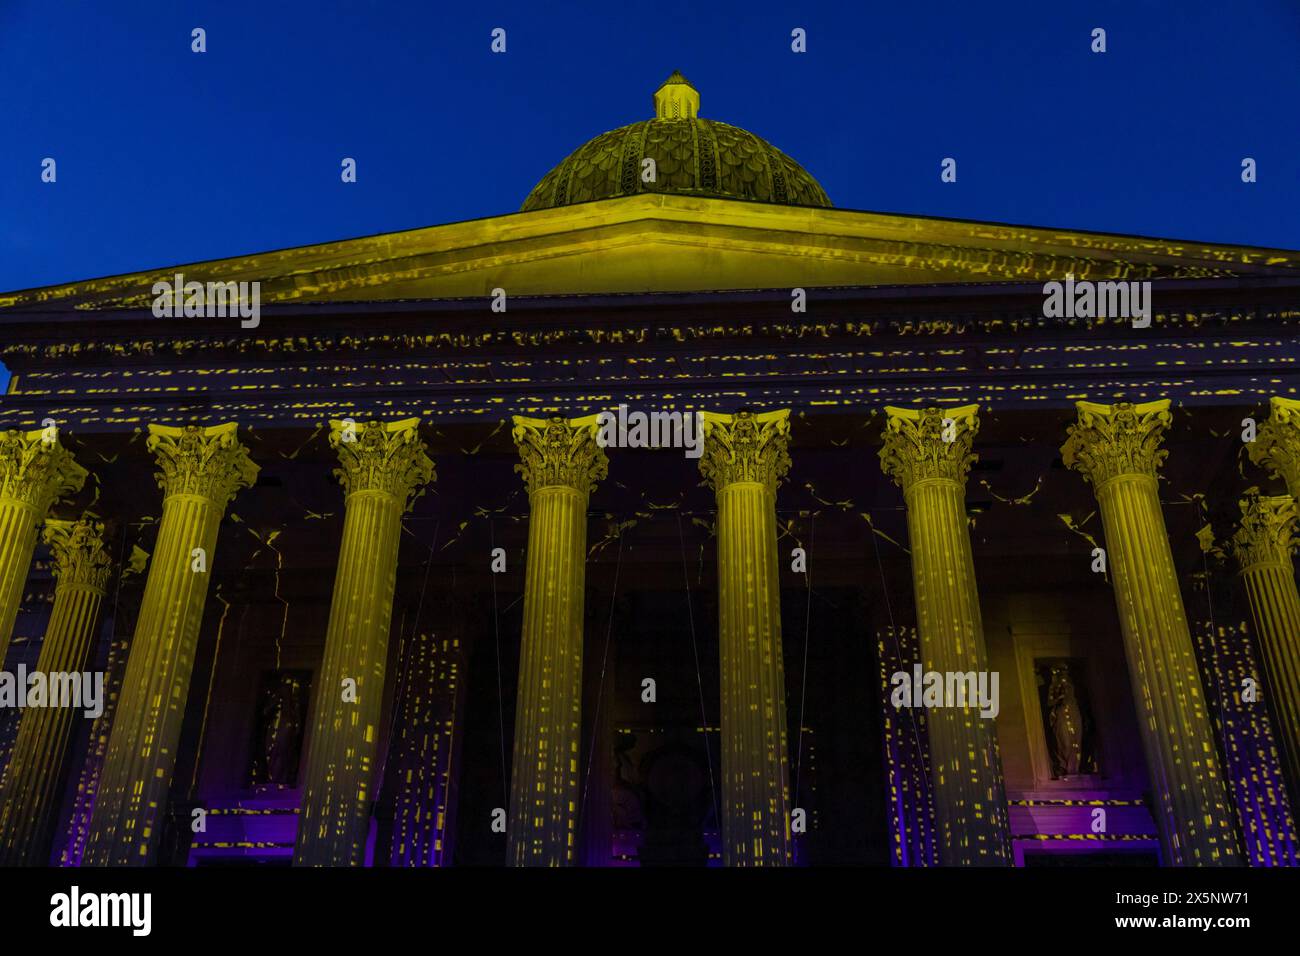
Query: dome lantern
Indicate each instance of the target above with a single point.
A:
(677, 99)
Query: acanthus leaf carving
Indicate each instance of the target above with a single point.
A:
(79, 556)
(745, 447)
(1276, 447)
(1267, 533)
(386, 457)
(559, 451)
(208, 462)
(1110, 441)
(36, 470)
(930, 443)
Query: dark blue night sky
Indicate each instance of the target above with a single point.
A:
(166, 156)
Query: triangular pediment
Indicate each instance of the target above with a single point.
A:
(671, 243)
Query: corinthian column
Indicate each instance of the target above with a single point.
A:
(561, 465)
(745, 457)
(1276, 447)
(1117, 449)
(928, 453)
(384, 467)
(35, 471)
(200, 470)
(1264, 544)
(29, 794)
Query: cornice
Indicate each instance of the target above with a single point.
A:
(470, 257)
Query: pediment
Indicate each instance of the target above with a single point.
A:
(669, 243)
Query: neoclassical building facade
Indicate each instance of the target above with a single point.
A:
(367, 584)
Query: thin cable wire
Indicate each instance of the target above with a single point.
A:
(404, 644)
(1214, 656)
(496, 630)
(807, 628)
(600, 692)
(699, 680)
(893, 633)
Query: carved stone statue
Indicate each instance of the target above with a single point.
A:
(1067, 722)
(628, 797)
(279, 734)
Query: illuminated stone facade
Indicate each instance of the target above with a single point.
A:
(631, 655)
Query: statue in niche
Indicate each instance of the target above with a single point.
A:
(1067, 722)
(628, 794)
(677, 792)
(278, 732)
(665, 795)
(1067, 718)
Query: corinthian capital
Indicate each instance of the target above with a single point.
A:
(207, 462)
(745, 447)
(929, 443)
(558, 451)
(1114, 440)
(1276, 447)
(1267, 534)
(36, 470)
(77, 547)
(387, 457)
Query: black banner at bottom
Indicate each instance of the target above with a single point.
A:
(670, 906)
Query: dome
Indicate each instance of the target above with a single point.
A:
(692, 156)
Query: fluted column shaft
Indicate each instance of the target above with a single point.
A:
(384, 467)
(200, 471)
(928, 452)
(28, 797)
(1117, 448)
(1264, 545)
(755, 746)
(745, 456)
(561, 462)
(548, 716)
(18, 524)
(1270, 580)
(35, 471)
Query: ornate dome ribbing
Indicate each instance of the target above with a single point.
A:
(692, 156)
